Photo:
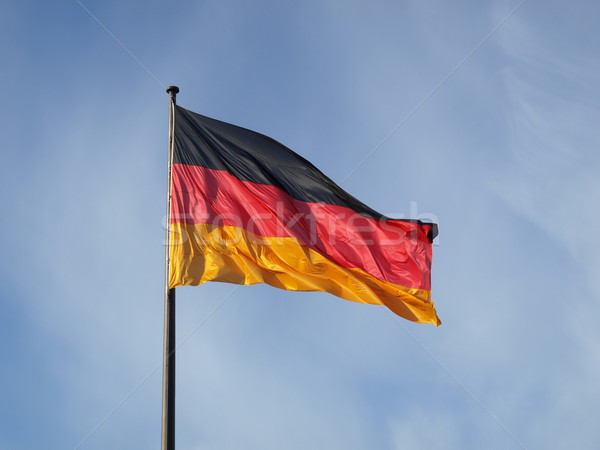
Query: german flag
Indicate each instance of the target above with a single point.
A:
(245, 209)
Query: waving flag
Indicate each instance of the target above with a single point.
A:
(245, 209)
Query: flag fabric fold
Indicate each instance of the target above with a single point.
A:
(245, 209)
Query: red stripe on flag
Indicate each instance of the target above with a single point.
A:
(395, 251)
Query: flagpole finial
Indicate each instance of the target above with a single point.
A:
(173, 89)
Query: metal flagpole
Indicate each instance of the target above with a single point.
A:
(168, 399)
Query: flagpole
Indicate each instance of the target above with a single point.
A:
(168, 397)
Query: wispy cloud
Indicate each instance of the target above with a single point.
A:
(552, 108)
(550, 177)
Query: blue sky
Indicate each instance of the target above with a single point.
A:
(499, 146)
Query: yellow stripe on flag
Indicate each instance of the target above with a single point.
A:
(203, 252)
